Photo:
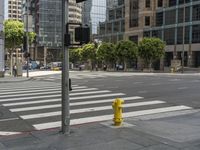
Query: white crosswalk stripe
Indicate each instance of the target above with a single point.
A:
(40, 106)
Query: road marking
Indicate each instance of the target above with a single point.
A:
(80, 90)
(58, 105)
(142, 92)
(30, 98)
(96, 96)
(91, 109)
(9, 119)
(57, 92)
(71, 104)
(59, 95)
(6, 133)
(138, 82)
(182, 88)
(37, 88)
(18, 93)
(110, 117)
(93, 92)
(11, 89)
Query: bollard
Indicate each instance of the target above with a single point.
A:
(117, 107)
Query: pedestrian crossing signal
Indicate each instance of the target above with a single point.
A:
(79, 1)
(82, 35)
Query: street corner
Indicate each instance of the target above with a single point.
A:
(11, 124)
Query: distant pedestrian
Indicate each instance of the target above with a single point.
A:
(104, 67)
(96, 67)
(15, 70)
(117, 67)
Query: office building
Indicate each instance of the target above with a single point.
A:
(13, 9)
(113, 29)
(158, 18)
(1, 39)
(47, 17)
(165, 20)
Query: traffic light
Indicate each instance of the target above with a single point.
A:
(82, 35)
(79, 1)
(24, 43)
(26, 55)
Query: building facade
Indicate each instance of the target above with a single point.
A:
(13, 9)
(47, 17)
(113, 29)
(1, 39)
(86, 12)
(164, 19)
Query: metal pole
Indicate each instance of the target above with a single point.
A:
(27, 39)
(65, 73)
(183, 51)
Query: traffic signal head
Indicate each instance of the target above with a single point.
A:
(24, 43)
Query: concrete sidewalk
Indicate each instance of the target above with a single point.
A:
(172, 133)
(32, 74)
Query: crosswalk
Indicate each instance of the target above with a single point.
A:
(40, 104)
(84, 76)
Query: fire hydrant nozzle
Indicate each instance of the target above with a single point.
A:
(117, 107)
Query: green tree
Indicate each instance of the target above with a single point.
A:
(14, 32)
(126, 50)
(106, 53)
(31, 37)
(88, 53)
(151, 49)
(75, 55)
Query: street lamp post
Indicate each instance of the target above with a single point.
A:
(27, 39)
(65, 73)
(183, 51)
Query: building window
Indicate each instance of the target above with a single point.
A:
(196, 34)
(183, 1)
(169, 36)
(147, 20)
(196, 13)
(170, 17)
(157, 34)
(147, 34)
(148, 3)
(109, 28)
(119, 13)
(116, 27)
(120, 2)
(160, 3)
(180, 35)
(134, 39)
(111, 15)
(172, 3)
(187, 15)
(134, 13)
(159, 19)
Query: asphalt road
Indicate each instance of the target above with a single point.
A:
(35, 104)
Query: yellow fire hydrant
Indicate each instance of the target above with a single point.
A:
(117, 107)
